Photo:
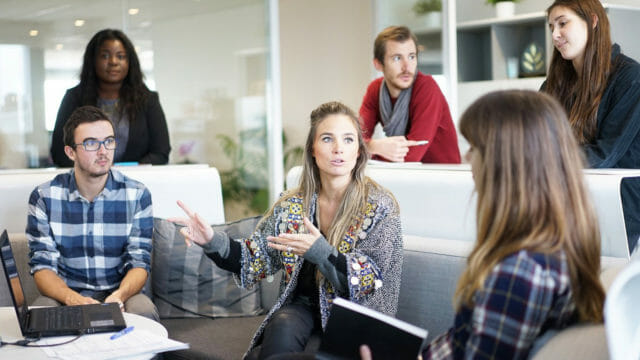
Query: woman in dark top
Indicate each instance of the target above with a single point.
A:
(599, 87)
(112, 80)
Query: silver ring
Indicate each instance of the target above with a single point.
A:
(289, 249)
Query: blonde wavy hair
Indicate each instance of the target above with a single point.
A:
(355, 197)
(531, 193)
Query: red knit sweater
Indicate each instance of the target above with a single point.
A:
(429, 119)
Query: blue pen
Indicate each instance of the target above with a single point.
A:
(121, 332)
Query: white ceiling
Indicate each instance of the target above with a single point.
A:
(54, 19)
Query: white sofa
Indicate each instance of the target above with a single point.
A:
(438, 205)
(197, 185)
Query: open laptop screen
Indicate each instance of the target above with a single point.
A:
(13, 280)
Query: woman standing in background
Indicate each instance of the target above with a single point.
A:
(599, 87)
(112, 80)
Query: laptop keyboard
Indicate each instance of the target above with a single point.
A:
(63, 317)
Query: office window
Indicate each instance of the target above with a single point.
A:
(208, 60)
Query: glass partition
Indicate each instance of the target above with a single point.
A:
(208, 60)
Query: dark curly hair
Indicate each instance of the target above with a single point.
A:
(133, 93)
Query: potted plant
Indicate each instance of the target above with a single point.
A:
(430, 11)
(504, 8)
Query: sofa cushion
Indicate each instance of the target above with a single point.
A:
(223, 338)
(430, 272)
(579, 342)
(186, 283)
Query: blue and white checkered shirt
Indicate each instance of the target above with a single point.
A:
(526, 294)
(90, 245)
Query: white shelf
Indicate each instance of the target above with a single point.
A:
(427, 30)
(516, 19)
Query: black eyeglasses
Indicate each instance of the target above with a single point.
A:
(94, 145)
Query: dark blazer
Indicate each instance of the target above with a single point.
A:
(148, 134)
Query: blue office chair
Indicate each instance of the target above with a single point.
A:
(622, 318)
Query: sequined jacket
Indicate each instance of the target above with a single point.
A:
(372, 247)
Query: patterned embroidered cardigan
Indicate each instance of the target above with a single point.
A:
(372, 247)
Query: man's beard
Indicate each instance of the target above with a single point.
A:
(94, 174)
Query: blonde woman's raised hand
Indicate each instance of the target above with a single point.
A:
(297, 244)
(195, 229)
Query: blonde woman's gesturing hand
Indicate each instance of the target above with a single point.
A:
(297, 244)
(195, 229)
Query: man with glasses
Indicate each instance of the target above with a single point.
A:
(90, 229)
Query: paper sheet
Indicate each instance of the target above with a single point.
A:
(101, 347)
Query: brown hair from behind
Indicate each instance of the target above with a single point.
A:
(395, 33)
(580, 94)
(531, 193)
(81, 115)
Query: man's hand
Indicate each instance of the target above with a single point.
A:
(393, 148)
(73, 298)
(115, 298)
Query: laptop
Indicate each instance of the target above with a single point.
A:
(58, 320)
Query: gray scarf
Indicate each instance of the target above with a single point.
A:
(395, 118)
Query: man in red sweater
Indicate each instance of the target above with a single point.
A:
(409, 105)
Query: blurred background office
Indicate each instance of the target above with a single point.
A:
(234, 76)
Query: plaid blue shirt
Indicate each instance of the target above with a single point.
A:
(525, 295)
(90, 245)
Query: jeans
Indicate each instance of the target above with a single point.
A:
(289, 330)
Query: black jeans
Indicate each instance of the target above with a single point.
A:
(289, 330)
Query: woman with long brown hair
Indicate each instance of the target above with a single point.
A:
(337, 234)
(536, 262)
(599, 87)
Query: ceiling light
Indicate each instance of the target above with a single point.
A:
(134, 11)
(78, 22)
(33, 32)
(59, 46)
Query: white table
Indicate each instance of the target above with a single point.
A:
(10, 332)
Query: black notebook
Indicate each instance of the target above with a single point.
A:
(351, 325)
(60, 320)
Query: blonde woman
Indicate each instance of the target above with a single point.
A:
(337, 234)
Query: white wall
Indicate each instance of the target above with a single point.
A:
(326, 51)
(201, 74)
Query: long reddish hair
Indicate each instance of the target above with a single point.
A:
(580, 94)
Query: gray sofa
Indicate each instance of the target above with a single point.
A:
(428, 281)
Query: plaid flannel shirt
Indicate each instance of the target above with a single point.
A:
(90, 245)
(524, 295)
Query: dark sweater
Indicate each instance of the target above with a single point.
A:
(617, 142)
